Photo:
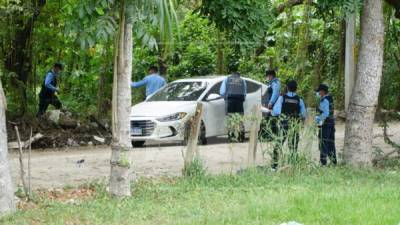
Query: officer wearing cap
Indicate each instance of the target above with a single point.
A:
(47, 95)
(326, 122)
(273, 89)
(291, 109)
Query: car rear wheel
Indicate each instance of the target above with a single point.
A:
(202, 136)
(137, 144)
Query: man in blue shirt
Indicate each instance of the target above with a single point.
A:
(234, 91)
(274, 89)
(326, 123)
(153, 82)
(291, 110)
(47, 95)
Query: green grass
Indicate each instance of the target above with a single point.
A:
(320, 196)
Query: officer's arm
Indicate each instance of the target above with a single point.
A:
(139, 83)
(276, 86)
(277, 110)
(303, 110)
(325, 110)
(245, 89)
(222, 89)
(49, 79)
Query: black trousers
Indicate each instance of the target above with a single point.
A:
(327, 144)
(235, 106)
(45, 101)
(286, 131)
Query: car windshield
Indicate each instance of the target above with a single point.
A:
(180, 91)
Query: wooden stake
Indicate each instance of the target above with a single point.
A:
(254, 130)
(21, 162)
(29, 166)
(194, 124)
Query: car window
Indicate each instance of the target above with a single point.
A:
(180, 91)
(252, 87)
(215, 89)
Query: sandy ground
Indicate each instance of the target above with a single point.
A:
(52, 168)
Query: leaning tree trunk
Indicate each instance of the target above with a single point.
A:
(364, 100)
(120, 166)
(6, 187)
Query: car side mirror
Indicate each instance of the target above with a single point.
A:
(213, 97)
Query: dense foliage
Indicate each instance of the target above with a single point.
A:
(303, 41)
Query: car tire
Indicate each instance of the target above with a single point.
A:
(202, 136)
(137, 144)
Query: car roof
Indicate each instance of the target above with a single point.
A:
(211, 79)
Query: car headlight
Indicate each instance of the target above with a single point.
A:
(173, 117)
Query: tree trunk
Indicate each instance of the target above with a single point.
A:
(120, 166)
(342, 60)
(220, 54)
(364, 100)
(6, 187)
(302, 49)
(350, 62)
(19, 58)
(102, 99)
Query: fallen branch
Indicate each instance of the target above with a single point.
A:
(33, 139)
(389, 142)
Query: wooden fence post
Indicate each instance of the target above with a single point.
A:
(256, 118)
(194, 126)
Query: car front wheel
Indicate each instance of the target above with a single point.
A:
(202, 136)
(137, 144)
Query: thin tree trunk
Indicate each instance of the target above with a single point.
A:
(6, 187)
(120, 166)
(101, 93)
(350, 62)
(302, 49)
(220, 54)
(342, 46)
(364, 100)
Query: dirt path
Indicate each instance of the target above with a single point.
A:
(59, 168)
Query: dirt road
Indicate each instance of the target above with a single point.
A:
(59, 168)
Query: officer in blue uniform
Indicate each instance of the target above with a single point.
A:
(47, 95)
(274, 89)
(153, 82)
(234, 91)
(268, 126)
(326, 123)
(291, 110)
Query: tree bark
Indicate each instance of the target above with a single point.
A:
(6, 187)
(364, 100)
(119, 178)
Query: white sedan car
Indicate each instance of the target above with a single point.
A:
(161, 117)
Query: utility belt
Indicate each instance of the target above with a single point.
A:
(236, 97)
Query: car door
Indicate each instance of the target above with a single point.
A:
(214, 113)
(253, 97)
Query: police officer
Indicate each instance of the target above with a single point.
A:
(47, 95)
(153, 81)
(234, 90)
(274, 89)
(268, 126)
(326, 123)
(291, 110)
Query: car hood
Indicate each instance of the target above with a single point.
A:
(159, 109)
